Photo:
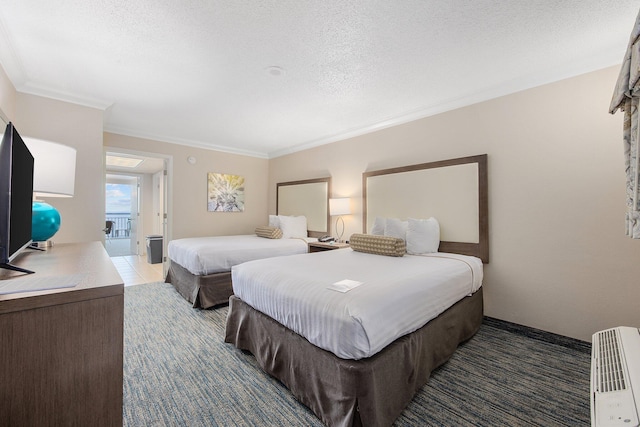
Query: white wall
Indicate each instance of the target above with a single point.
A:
(559, 258)
(7, 97)
(189, 216)
(82, 128)
(73, 125)
(82, 216)
(146, 205)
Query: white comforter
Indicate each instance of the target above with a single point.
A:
(208, 255)
(396, 297)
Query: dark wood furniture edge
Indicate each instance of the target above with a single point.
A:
(321, 246)
(98, 278)
(31, 300)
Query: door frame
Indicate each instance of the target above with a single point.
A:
(168, 191)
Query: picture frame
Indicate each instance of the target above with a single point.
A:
(225, 192)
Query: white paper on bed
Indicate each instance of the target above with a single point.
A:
(344, 285)
(397, 296)
(208, 255)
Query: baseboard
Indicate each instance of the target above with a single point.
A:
(538, 334)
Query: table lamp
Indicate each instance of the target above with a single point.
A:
(339, 207)
(53, 176)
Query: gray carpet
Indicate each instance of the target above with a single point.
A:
(179, 372)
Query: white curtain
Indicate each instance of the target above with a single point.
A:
(626, 98)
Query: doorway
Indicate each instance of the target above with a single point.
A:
(136, 195)
(122, 207)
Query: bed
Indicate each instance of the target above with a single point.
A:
(200, 267)
(358, 375)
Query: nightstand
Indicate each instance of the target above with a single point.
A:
(320, 246)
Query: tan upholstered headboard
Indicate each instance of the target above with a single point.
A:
(308, 197)
(452, 191)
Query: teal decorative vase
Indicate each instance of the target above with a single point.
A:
(45, 222)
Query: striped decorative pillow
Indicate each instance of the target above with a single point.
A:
(269, 232)
(379, 245)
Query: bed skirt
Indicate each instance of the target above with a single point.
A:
(202, 291)
(341, 392)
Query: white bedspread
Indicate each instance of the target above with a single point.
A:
(397, 296)
(208, 255)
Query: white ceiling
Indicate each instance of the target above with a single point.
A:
(197, 72)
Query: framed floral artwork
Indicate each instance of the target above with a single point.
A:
(225, 193)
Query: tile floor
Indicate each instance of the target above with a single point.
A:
(135, 270)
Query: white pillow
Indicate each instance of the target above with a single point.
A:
(393, 227)
(378, 227)
(293, 226)
(423, 236)
(274, 221)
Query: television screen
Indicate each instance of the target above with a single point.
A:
(16, 195)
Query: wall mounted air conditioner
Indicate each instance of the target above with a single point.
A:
(615, 377)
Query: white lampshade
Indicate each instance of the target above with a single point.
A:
(339, 206)
(54, 168)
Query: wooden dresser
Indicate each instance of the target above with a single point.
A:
(61, 349)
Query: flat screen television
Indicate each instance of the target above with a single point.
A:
(16, 197)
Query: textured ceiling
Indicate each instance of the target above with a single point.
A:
(200, 72)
